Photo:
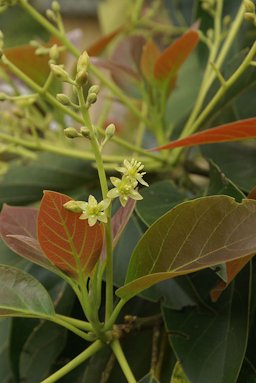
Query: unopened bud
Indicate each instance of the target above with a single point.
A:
(40, 51)
(94, 89)
(227, 20)
(60, 73)
(50, 15)
(248, 16)
(91, 98)
(34, 43)
(85, 132)
(63, 99)
(110, 131)
(71, 133)
(55, 6)
(3, 96)
(81, 78)
(249, 6)
(54, 52)
(83, 62)
(73, 206)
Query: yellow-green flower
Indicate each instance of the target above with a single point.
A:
(124, 189)
(132, 169)
(94, 211)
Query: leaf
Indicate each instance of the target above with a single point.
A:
(67, 241)
(239, 130)
(220, 184)
(150, 53)
(236, 160)
(121, 219)
(20, 294)
(98, 47)
(194, 235)
(178, 375)
(18, 231)
(25, 181)
(5, 369)
(157, 200)
(173, 57)
(211, 345)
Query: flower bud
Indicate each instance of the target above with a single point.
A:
(249, 6)
(81, 78)
(94, 89)
(83, 62)
(85, 132)
(50, 15)
(110, 131)
(60, 73)
(63, 99)
(54, 52)
(55, 6)
(71, 133)
(73, 206)
(248, 16)
(3, 96)
(91, 98)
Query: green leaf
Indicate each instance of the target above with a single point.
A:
(220, 184)
(157, 200)
(236, 160)
(40, 351)
(211, 344)
(25, 182)
(194, 235)
(20, 294)
(5, 369)
(178, 375)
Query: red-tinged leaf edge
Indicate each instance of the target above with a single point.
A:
(67, 241)
(234, 131)
(174, 56)
(98, 47)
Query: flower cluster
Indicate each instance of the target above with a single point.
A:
(91, 210)
(125, 187)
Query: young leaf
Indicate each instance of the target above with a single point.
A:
(239, 130)
(98, 47)
(67, 241)
(150, 54)
(120, 220)
(194, 235)
(173, 57)
(18, 231)
(21, 294)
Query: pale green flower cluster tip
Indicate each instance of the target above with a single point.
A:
(125, 187)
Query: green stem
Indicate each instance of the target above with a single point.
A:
(76, 322)
(116, 347)
(104, 189)
(109, 324)
(70, 327)
(91, 350)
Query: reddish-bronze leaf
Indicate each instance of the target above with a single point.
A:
(18, 231)
(98, 47)
(239, 130)
(150, 54)
(173, 57)
(69, 242)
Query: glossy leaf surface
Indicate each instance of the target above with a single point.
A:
(173, 57)
(239, 130)
(211, 344)
(18, 231)
(69, 242)
(192, 236)
(20, 293)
